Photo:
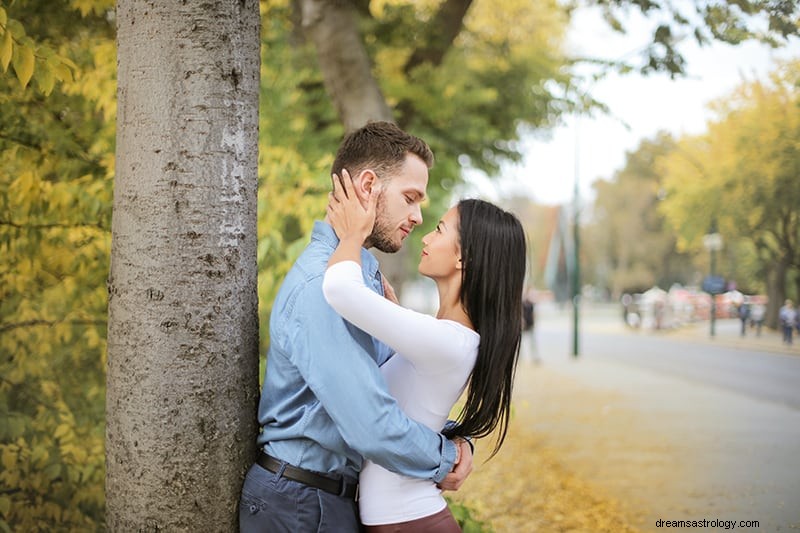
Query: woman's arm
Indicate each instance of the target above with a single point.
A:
(430, 344)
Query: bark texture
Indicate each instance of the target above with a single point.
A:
(346, 68)
(182, 375)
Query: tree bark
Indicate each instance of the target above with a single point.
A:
(182, 375)
(776, 291)
(346, 68)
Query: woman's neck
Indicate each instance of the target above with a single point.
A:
(450, 307)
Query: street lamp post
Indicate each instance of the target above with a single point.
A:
(576, 269)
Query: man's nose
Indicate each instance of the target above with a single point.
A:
(416, 215)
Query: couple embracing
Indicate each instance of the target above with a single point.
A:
(354, 409)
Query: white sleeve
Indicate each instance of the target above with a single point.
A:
(425, 341)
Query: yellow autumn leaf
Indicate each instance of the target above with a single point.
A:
(23, 65)
(62, 430)
(6, 49)
(46, 80)
(5, 505)
(63, 72)
(9, 458)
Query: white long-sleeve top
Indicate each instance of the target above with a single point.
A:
(427, 375)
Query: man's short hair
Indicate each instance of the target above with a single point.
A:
(380, 146)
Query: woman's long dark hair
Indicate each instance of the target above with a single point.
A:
(493, 257)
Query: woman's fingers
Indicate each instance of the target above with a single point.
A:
(372, 202)
(338, 191)
(347, 182)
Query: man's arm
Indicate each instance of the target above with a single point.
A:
(346, 380)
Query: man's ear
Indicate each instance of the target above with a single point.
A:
(367, 180)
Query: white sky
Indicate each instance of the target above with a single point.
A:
(646, 104)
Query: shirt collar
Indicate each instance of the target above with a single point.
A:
(323, 232)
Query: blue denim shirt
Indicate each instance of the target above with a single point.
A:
(325, 406)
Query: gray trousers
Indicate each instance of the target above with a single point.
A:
(274, 504)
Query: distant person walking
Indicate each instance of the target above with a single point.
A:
(744, 316)
(788, 318)
(528, 324)
(757, 312)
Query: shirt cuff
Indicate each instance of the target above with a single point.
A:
(451, 424)
(449, 453)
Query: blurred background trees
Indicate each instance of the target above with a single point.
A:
(631, 248)
(470, 77)
(745, 173)
(648, 221)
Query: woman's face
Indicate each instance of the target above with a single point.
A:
(441, 252)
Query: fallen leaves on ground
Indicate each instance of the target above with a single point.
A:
(527, 487)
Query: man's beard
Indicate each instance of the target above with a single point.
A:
(381, 236)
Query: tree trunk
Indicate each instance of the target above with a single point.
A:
(346, 68)
(776, 291)
(182, 376)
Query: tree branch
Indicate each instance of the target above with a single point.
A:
(50, 323)
(95, 163)
(442, 31)
(53, 225)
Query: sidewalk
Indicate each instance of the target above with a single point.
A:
(728, 333)
(596, 446)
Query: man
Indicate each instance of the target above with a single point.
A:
(324, 406)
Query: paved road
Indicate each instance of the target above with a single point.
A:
(679, 426)
(728, 361)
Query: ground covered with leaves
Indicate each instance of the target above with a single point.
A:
(527, 487)
(530, 485)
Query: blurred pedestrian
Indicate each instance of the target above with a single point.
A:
(744, 315)
(757, 312)
(788, 317)
(528, 324)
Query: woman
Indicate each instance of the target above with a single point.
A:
(476, 256)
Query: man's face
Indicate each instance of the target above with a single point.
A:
(398, 208)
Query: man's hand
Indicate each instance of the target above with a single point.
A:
(388, 291)
(461, 470)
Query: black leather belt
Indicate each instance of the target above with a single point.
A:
(339, 486)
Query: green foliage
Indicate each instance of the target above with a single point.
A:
(298, 134)
(731, 21)
(56, 164)
(742, 174)
(466, 521)
(502, 77)
(30, 59)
